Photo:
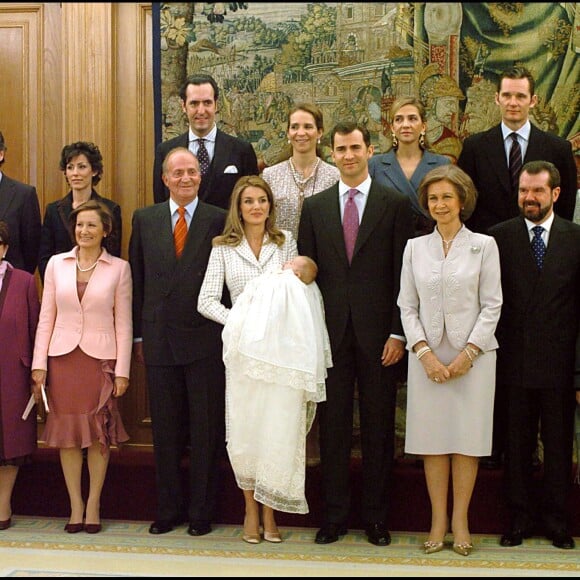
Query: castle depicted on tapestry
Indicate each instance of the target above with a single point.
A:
(354, 58)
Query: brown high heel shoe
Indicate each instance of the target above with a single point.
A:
(5, 524)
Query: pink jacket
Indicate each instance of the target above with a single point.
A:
(101, 325)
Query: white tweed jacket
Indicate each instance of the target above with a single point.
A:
(236, 266)
(459, 294)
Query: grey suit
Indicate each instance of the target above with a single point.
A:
(20, 209)
(216, 187)
(185, 373)
(360, 302)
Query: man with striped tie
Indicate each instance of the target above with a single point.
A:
(537, 333)
(181, 349)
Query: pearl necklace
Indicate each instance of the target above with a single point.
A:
(302, 181)
(89, 268)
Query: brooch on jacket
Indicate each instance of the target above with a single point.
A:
(475, 249)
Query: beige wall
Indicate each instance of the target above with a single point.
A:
(82, 71)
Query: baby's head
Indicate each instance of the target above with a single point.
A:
(304, 267)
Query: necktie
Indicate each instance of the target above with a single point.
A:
(202, 157)
(538, 246)
(515, 162)
(180, 232)
(350, 223)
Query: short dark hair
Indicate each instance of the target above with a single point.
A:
(89, 150)
(4, 233)
(516, 73)
(463, 184)
(94, 205)
(348, 127)
(199, 79)
(536, 167)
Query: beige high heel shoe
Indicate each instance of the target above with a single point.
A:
(463, 548)
(432, 547)
(250, 538)
(273, 537)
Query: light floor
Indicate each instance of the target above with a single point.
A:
(40, 547)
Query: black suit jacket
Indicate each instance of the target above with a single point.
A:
(367, 289)
(20, 209)
(165, 290)
(483, 159)
(216, 187)
(540, 315)
(55, 234)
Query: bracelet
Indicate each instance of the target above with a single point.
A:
(469, 355)
(473, 352)
(423, 351)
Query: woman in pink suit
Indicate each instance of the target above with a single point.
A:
(19, 308)
(82, 354)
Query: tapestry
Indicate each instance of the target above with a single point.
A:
(354, 58)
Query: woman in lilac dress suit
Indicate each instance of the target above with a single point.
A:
(19, 308)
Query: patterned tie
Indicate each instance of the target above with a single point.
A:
(350, 223)
(202, 157)
(515, 162)
(538, 246)
(180, 232)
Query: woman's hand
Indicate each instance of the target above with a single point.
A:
(434, 368)
(38, 377)
(460, 365)
(120, 386)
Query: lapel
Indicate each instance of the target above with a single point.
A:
(494, 146)
(331, 221)
(374, 210)
(7, 191)
(245, 252)
(536, 145)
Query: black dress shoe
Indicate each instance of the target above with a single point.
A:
(514, 537)
(199, 528)
(378, 534)
(562, 539)
(330, 533)
(163, 526)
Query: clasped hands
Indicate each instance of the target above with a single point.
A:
(439, 373)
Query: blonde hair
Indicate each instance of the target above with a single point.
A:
(233, 233)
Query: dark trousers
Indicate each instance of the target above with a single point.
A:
(553, 411)
(377, 402)
(187, 405)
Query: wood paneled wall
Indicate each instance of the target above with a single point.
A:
(82, 71)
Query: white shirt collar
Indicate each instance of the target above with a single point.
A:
(523, 131)
(189, 208)
(209, 137)
(547, 225)
(363, 187)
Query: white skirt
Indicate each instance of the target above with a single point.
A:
(276, 352)
(452, 417)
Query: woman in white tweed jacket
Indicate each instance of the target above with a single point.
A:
(265, 421)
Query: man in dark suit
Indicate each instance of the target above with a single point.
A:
(20, 209)
(228, 157)
(182, 350)
(366, 335)
(537, 335)
(485, 158)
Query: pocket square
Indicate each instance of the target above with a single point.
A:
(231, 169)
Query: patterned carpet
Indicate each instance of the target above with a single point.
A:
(40, 547)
